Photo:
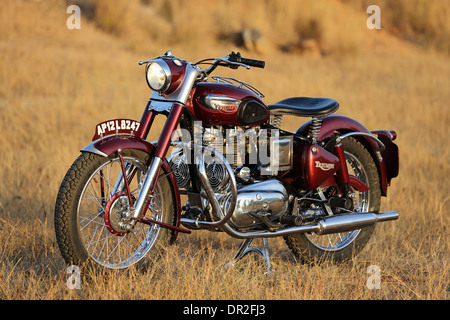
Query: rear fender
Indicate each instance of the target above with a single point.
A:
(390, 154)
(386, 160)
(111, 144)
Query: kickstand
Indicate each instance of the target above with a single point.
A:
(246, 248)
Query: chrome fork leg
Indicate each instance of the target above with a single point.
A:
(246, 248)
(144, 193)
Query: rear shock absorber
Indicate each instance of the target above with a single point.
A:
(276, 120)
(314, 129)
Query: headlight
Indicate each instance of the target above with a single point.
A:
(158, 75)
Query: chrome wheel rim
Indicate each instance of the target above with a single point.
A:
(115, 250)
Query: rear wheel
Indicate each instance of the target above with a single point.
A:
(310, 247)
(91, 207)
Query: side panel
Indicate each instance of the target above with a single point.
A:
(317, 165)
(105, 147)
(343, 124)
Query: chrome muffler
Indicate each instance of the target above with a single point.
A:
(352, 221)
(327, 225)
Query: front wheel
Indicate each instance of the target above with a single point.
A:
(90, 207)
(310, 247)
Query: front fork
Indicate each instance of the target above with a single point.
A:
(159, 154)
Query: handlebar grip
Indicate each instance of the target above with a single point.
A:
(253, 63)
(236, 57)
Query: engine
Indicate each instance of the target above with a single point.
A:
(261, 199)
(258, 204)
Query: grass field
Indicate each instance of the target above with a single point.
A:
(56, 84)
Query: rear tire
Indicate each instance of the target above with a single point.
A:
(83, 233)
(310, 247)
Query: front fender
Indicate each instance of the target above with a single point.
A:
(108, 145)
(343, 124)
(111, 144)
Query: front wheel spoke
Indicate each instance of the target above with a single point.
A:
(94, 194)
(97, 225)
(105, 243)
(93, 236)
(106, 237)
(92, 219)
(114, 249)
(96, 199)
(93, 232)
(131, 245)
(108, 182)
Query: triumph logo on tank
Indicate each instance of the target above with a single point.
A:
(324, 166)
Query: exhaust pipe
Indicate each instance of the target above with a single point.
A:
(327, 225)
(353, 221)
(333, 224)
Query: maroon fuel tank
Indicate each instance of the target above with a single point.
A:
(227, 104)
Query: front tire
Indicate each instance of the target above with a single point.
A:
(89, 207)
(338, 247)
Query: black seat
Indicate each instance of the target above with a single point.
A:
(305, 107)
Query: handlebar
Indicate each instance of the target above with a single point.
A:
(236, 57)
(234, 61)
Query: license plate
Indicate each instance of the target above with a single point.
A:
(115, 127)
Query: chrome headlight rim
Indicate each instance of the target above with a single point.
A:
(168, 75)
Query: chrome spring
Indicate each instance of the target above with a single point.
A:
(276, 119)
(314, 129)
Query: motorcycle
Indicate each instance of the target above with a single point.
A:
(232, 168)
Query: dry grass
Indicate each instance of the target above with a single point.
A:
(56, 84)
